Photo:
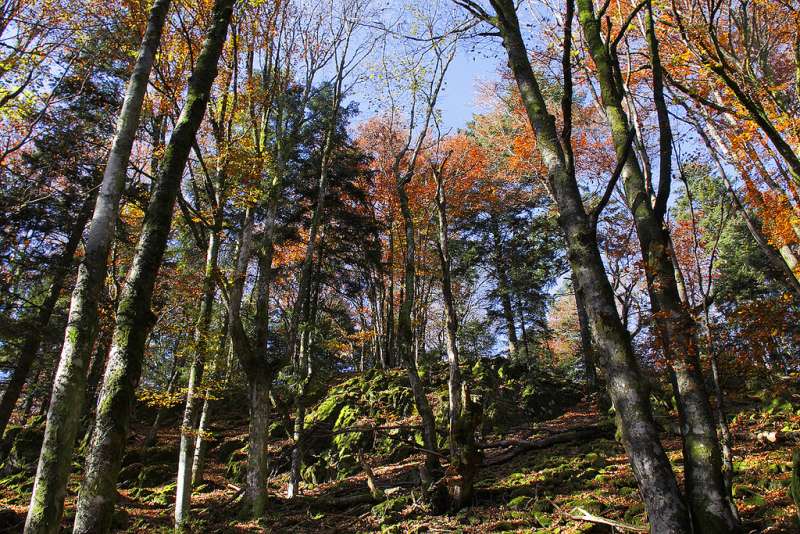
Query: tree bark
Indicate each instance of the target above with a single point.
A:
(657, 484)
(32, 341)
(711, 510)
(405, 334)
(259, 385)
(587, 350)
(464, 416)
(134, 317)
(190, 422)
(47, 500)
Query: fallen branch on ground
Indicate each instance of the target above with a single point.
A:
(591, 518)
(521, 445)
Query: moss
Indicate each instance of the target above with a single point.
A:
(389, 510)
(26, 444)
(519, 503)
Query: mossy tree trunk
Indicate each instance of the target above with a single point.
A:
(711, 509)
(134, 317)
(69, 385)
(587, 350)
(657, 483)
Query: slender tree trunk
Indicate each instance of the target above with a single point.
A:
(33, 339)
(97, 367)
(463, 451)
(404, 339)
(587, 350)
(183, 490)
(657, 484)
(150, 439)
(711, 510)
(198, 465)
(198, 461)
(389, 352)
(301, 306)
(47, 500)
(134, 318)
(504, 288)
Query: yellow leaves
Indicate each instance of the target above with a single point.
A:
(335, 346)
(159, 399)
(131, 214)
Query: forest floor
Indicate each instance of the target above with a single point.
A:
(517, 490)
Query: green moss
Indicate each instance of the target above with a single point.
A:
(389, 510)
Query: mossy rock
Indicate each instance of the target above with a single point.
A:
(162, 495)
(129, 474)
(152, 476)
(25, 447)
(594, 459)
(389, 510)
(587, 503)
(236, 466)
(519, 503)
(120, 520)
(226, 448)
(635, 514)
(10, 521)
(160, 455)
(132, 456)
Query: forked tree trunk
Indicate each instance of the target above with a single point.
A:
(657, 484)
(134, 317)
(711, 509)
(63, 417)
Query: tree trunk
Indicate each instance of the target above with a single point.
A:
(198, 465)
(302, 304)
(504, 288)
(190, 422)
(404, 339)
(463, 452)
(150, 439)
(30, 346)
(657, 484)
(255, 492)
(47, 500)
(134, 318)
(587, 350)
(711, 510)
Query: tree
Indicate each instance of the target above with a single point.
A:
(47, 501)
(657, 483)
(134, 318)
